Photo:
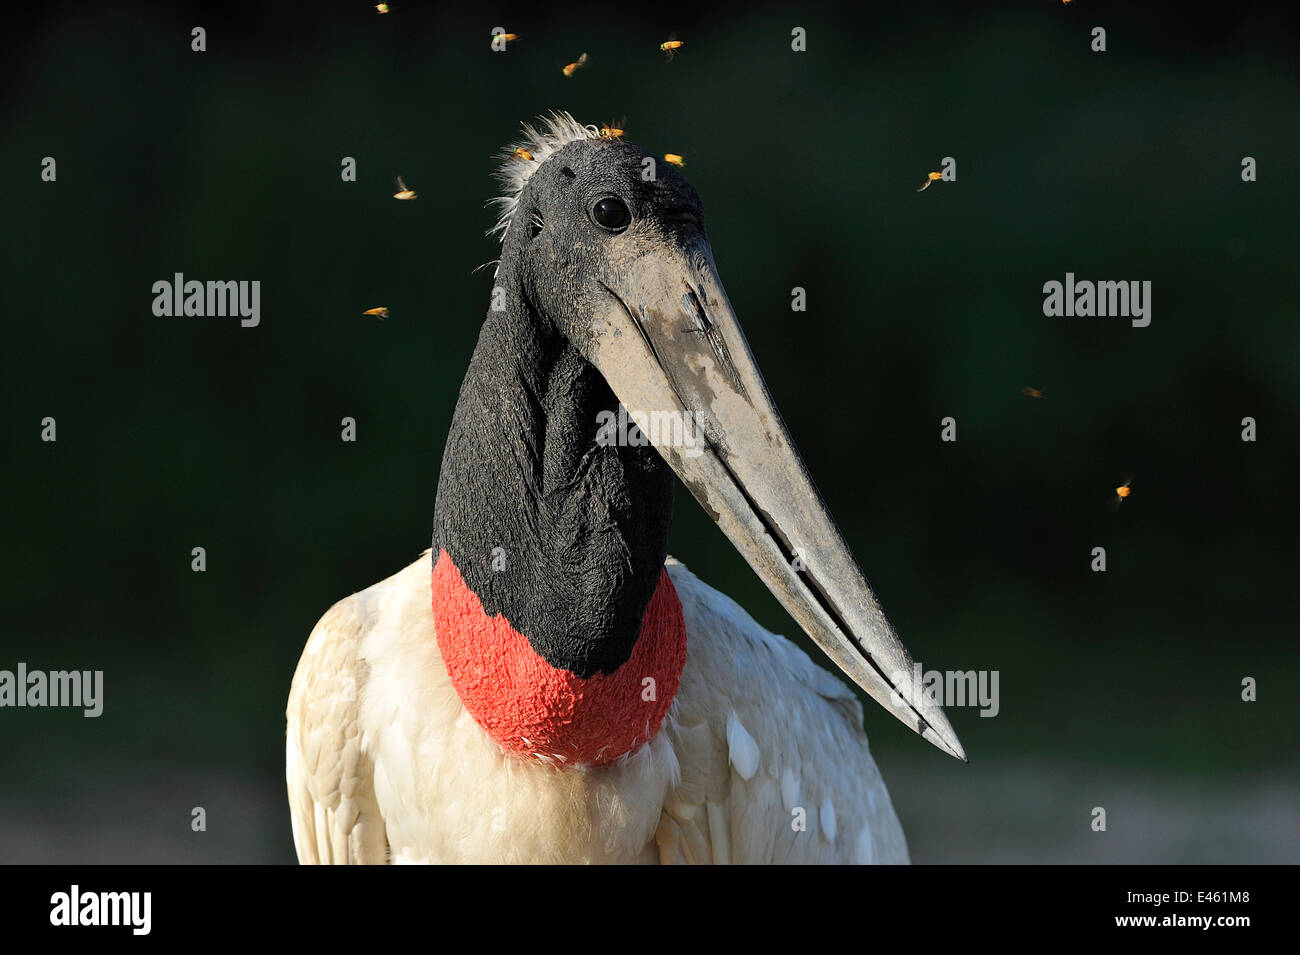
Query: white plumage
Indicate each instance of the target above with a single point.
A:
(558, 130)
(384, 764)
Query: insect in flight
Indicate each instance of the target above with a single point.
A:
(1031, 392)
(1121, 494)
(576, 65)
(930, 177)
(613, 130)
(381, 8)
(380, 313)
(674, 159)
(403, 192)
(670, 46)
(522, 153)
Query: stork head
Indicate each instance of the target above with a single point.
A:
(610, 250)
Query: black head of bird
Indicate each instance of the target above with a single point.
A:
(608, 299)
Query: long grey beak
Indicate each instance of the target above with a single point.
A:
(670, 344)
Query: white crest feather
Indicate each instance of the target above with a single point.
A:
(557, 131)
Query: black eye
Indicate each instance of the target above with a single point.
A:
(610, 213)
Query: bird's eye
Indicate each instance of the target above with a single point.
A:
(610, 213)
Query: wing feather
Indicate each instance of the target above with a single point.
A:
(330, 778)
(775, 765)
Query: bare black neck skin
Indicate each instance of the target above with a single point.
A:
(563, 536)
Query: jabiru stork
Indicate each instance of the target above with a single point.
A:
(545, 684)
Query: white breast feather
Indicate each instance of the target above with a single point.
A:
(384, 764)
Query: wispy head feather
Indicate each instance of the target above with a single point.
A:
(557, 131)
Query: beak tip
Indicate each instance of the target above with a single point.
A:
(940, 734)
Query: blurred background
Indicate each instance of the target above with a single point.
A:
(1119, 689)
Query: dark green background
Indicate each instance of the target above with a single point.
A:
(1118, 689)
